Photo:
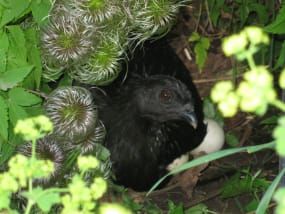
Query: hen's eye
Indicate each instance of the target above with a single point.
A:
(165, 96)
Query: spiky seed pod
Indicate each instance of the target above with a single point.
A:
(103, 65)
(72, 112)
(95, 11)
(65, 40)
(153, 18)
(104, 169)
(88, 143)
(51, 74)
(46, 149)
(61, 7)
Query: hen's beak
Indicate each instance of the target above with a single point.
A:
(191, 118)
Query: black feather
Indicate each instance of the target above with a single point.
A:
(147, 117)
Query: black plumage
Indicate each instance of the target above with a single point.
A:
(153, 117)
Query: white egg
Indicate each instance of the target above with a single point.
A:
(214, 139)
(178, 162)
(212, 142)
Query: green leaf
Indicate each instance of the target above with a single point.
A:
(261, 12)
(251, 206)
(7, 148)
(236, 186)
(40, 11)
(19, 8)
(4, 45)
(14, 10)
(263, 204)
(211, 111)
(16, 113)
(215, 8)
(281, 57)
(47, 200)
(201, 55)
(205, 42)
(232, 139)
(33, 80)
(21, 97)
(12, 77)
(243, 12)
(17, 50)
(4, 119)
(194, 37)
(197, 209)
(278, 25)
(5, 200)
(173, 209)
(270, 120)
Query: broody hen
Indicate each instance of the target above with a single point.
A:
(153, 118)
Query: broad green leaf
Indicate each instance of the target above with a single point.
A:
(12, 77)
(34, 194)
(34, 110)
(278, 25)
(7, 16)
(19, 8)
(16, 113)
(4, 45)
(13, 10)
(33, 80)
(200, 54)
(194, 37)
(47, 200)
(205, 42)
(17, 50)
(5, 200)
(40, 11)
(8, 147)
(21, 97)
(3, 119)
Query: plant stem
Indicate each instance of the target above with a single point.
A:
(250, 61)
(29, 207)
(30, 181)
(279, 104)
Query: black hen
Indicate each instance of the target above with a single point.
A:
(152, 118)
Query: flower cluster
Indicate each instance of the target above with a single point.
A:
(256, 91)
(252, 95)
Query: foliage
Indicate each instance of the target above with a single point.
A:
(256, 91)
(202, 44)
(76, 197)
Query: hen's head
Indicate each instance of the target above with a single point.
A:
(164, 98)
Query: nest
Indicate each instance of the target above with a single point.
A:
(203, 184)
